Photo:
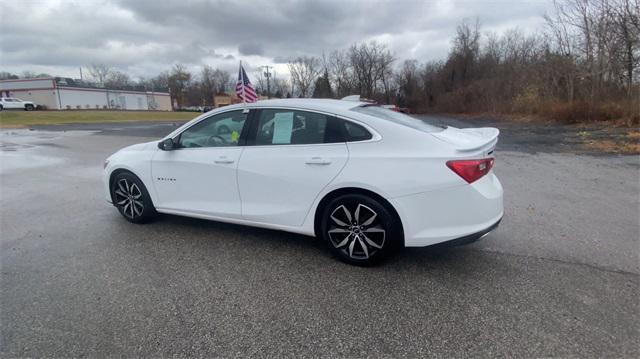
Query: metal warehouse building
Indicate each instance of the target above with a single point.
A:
(65, 94)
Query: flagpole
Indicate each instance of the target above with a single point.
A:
(244, 96)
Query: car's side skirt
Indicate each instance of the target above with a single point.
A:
(298, 230)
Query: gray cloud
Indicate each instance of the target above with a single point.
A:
(280, 60)
(250, 49)
(145, 36)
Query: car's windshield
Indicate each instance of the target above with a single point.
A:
(397, 117)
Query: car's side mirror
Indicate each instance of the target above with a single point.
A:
(166, 145)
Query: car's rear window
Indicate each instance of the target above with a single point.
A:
(397, 117)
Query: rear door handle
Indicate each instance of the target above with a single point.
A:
(223, 160)
(318, 161)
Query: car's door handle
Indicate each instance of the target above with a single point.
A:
(318, 161)
(223, 160)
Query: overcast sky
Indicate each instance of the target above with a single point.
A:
(145, 37)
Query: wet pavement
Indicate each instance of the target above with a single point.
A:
(559, 277)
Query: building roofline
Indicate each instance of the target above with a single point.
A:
(25, 80)
(102, 89)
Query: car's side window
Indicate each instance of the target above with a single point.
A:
(354, 132)
(216, 131)
(293, 127)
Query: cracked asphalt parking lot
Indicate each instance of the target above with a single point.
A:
(559, 277)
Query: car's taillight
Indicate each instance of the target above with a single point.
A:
(471, 170)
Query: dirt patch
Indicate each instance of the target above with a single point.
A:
(628, 144)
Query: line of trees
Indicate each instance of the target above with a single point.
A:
(186, 89)
(582, 66)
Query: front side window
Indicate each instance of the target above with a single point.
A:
(293, 127)
(220, 130)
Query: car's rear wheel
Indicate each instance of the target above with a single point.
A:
(28, 107)
(359, 229)
(131, 198)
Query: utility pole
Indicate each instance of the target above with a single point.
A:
(267, 74)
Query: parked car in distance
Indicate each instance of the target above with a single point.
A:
(11, 103)
(365, 179)
(396, 108)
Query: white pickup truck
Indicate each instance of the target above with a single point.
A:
(7, 103)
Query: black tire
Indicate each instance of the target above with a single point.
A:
(1, 108)
(131, 198)
(28, 107)
(373, 234)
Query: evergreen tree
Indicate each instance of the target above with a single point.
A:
(322, 88)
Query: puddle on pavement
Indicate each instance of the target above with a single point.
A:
(25, 149)
(12, 147)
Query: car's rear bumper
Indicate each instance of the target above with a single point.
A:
(450, 213)
(468, 238)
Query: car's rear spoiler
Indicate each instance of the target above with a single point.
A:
(470, 139)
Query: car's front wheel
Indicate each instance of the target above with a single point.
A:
(131, 198)
(359, 229)
(28, 107)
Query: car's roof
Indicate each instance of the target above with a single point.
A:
(316, 104)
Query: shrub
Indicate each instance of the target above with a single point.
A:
(581, 111)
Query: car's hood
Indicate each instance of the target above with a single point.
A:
(469, 139)
(140, 146)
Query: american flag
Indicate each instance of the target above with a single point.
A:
(244, 89)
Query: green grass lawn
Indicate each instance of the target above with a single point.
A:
(28, 118)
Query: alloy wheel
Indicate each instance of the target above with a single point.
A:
(129, 198)
(358, 234)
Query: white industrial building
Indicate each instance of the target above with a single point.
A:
(65, 94)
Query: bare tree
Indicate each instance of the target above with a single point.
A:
(371, 65)
(261, 82)
(465, 51)
(341, 73)
(601, 37)
(304, 71)
(207, 84)
(178, 81)
(223, 81)
(100, 72)
(408, 81)
(117, 79)
(32, 75)
(160, 82)
(627, 31)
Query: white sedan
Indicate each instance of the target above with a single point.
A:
(365, 179)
